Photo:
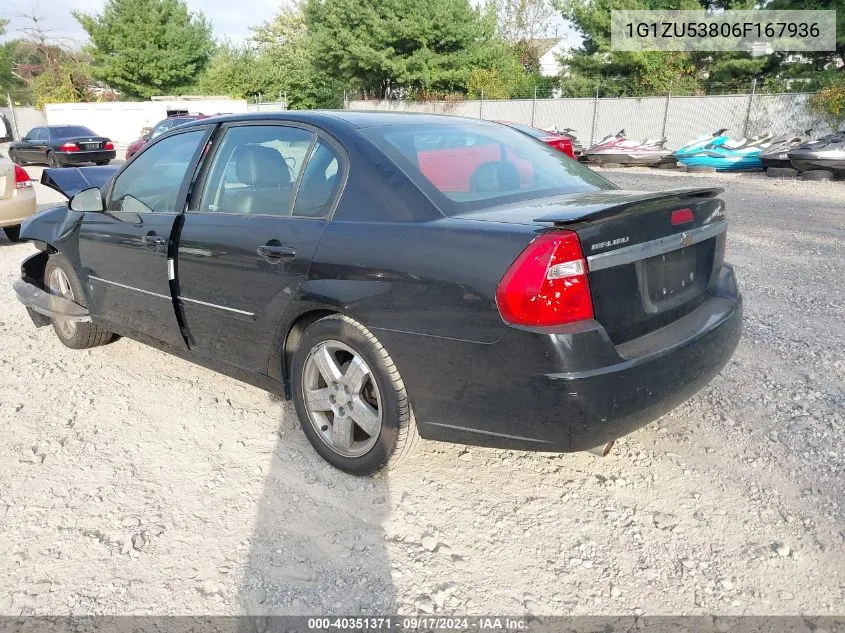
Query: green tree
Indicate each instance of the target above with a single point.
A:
(395, 48)
(285, 47)
(652, 72)
(829, 105)
(148, 47)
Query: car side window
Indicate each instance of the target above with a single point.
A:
(255, 169)
(151, 183)
(320, 183)
(38, 134)
(160, 129)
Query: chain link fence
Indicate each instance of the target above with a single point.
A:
(679, 119)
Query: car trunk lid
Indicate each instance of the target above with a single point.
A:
(651, 257)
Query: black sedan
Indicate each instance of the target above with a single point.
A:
(62, 145)
(396, 276)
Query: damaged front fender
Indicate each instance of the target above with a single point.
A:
(51, 226)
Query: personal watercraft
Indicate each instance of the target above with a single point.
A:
(577, 147)
(777, 154)
(827, 152)
(619, 149)
(716, 138)
(743, 154)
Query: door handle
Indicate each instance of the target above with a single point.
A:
(274, 254)
(153, 241)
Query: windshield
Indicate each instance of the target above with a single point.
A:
(66, 131)
(472, 166)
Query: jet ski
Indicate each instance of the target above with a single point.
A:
(716, 138)
(777, 154)
(827, 152)
(616, 148)
(728, 155)
(577, 147)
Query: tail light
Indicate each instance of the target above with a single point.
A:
(69, 147)
(108, 145)
(560, 144)
(22, 179)
(547, 284)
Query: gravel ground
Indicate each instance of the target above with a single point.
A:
(133, 482)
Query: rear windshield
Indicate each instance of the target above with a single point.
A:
(464, 167)
(66, 131)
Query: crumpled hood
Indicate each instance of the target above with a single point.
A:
(69, 181)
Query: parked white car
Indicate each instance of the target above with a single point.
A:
(17, 198)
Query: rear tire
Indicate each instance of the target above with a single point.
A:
(13, 233)
(359, 420)
(100, 163)
(53, 161)
(60, 279)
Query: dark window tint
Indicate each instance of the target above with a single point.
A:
(255, 169)
(68, 131)
(471, 166)
(151, 183)
(38, 134)
(320, 183)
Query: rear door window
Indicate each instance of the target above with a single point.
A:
(320, 183)
(255, 169)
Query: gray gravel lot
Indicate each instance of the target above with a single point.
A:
(134, 482)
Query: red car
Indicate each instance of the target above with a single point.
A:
(160, 128)
(558, 141)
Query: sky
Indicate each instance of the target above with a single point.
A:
(231, 18)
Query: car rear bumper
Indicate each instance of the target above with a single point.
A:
(18, 208)
(74, 158)
(567, 389)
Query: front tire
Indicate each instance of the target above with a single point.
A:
(60, 279)
(350, 399)
(13, 233)
(15, 158)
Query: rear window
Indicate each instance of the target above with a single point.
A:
(66, 131)
(471, 166)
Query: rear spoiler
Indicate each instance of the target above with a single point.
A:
(602, 204)
(70, 181)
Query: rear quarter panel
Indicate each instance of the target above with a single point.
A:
(435, 278)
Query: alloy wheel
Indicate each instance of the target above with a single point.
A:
(342, 399)
(60, 286)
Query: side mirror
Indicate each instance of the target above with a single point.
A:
(87, 201)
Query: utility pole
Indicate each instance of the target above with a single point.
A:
(595, 117)
(666, 115)
(750, 103)
(15, 132)
(533, 106)
(481, 106)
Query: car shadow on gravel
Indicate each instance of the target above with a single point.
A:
(318, 543)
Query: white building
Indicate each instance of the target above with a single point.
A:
(548, 52)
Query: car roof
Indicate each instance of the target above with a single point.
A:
(352, 118)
